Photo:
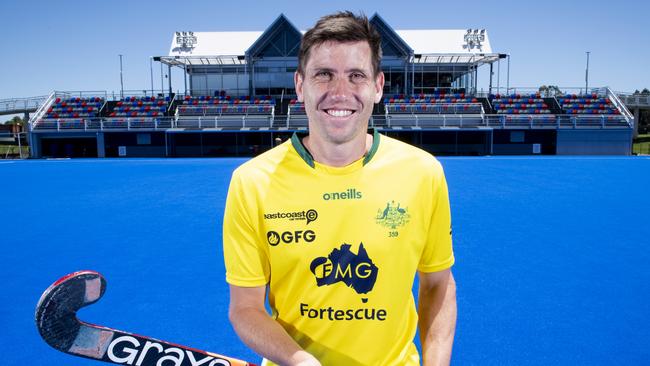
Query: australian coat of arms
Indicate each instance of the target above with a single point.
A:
(392, 215)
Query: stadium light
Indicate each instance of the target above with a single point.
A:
(473, 39)
(185, 39)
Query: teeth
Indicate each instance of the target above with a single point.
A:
(339, 113)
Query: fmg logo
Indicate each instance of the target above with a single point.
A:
(342, 265)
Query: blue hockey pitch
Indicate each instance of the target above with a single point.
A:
(553, 254)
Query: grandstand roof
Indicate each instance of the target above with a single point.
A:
(427, 45)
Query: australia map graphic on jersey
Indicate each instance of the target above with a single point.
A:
(342, 265)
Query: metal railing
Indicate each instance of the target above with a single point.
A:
(437, 116)
(296, 116)
(224, 121)
(40, 112)
(529, 121)
(634, 100)
(621, 107)
(21, 105)
(103, 124)
(82, 94)
(435, 121)
(501, 121)
(527, 90)
(115, 96)
(439, 108)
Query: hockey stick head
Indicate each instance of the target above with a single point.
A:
(57, 323)
(56, 311)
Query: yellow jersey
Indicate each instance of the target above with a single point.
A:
(339, 247)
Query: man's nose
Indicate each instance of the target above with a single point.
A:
(339, 88)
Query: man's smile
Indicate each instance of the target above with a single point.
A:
(339, 112)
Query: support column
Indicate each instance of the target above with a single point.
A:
(412, 63)
(249, 76)
(25, 129)
(169, 78)
(34, 145)
(491, 74)
(185, 76)
(508, 77)
(406, 77)
(637, 114)
(101, 149)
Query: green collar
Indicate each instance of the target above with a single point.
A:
(296, 141)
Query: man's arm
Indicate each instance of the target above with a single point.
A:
(262, 333)
(437, 316)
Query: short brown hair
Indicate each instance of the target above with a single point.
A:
(343, 26)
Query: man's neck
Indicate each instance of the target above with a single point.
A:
(338, 155)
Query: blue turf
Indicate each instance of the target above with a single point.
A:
(552, 254)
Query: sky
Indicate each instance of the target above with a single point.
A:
(75, 45)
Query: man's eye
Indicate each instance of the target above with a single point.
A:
(357, 76)
(323, 74)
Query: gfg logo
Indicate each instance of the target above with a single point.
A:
(274, 238)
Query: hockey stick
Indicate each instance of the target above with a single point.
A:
(58, 325)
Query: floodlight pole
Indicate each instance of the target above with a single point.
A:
(121, 80)
(169, 78)
(508, 77)
(499, 76)
(162, 82)
(587, 74)
(491, 75)
(185, 75)
(151, 73)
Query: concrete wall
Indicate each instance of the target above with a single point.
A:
(36, 141)
(594, 142)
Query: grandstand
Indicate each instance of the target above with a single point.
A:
(240, 98)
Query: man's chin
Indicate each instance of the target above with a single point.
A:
(345, 135)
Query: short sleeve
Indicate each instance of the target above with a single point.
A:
(438, 254)
(245, 257)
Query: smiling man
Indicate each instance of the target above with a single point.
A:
(333, 225)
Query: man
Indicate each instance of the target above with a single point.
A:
(333, 225)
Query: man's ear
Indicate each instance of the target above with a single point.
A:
(379, 86)
(297, 80)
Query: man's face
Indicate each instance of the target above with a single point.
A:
(339, 90)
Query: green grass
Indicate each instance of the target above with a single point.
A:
(641, 145)
(12, 151)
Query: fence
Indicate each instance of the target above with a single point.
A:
(13, 145)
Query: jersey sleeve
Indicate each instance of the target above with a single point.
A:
(438, 254)
(245, 256)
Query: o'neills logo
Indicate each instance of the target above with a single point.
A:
(309, 216)
(129, 350)
(349, 194)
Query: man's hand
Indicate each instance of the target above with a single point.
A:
(302, 358)
(437, 316)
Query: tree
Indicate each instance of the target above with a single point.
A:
(15, 121)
